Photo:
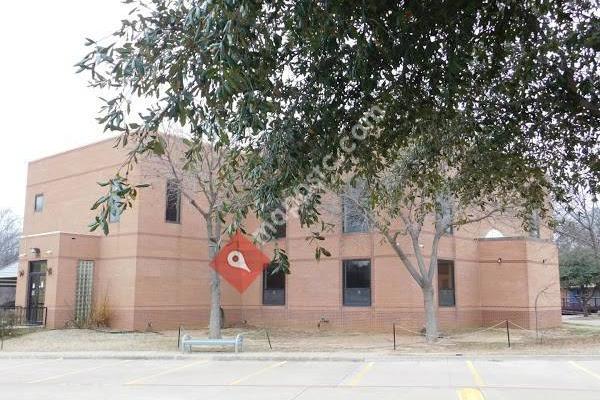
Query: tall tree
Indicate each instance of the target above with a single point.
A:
(578, 239)
(579, 224)
(203, 185)
(286, 78)
(580, 269)
(422, 214)
(195, 171)
(10, 233)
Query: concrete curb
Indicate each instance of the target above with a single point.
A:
(332, 357)
(182, 356)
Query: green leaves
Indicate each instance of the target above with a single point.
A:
(321, 250)
(120, 195)
(505, 93)
(579, 267)
(157, 146)
(100, 201)
(280, 262)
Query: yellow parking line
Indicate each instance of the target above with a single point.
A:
(584, 369)
(165, 372)
(77, 372)
(260, 371)
(469, 394)
(476, 377)
(361, 374)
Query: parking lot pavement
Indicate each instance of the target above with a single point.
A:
(443, 378)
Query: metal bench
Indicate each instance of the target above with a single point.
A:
(187, 342)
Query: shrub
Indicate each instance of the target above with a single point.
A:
(7, 325)
(100, 315)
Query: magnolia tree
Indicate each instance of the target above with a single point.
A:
(286, 77)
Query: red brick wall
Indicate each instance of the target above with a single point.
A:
(151, 271)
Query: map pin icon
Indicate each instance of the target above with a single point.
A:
(235, 259)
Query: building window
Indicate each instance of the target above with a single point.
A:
(448, 229)
(173, 209)
(357, 282)
(83, 291)
(353, 203)
(446, 283)
(115, 213)
(273, 286)
(534, 224)
(278, 220)
(38, 204)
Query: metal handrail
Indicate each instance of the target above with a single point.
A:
(34, 315)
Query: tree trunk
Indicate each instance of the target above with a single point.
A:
(214, 323)
(431, 325)
(584, 302)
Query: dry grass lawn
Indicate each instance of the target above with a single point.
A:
(567, 339)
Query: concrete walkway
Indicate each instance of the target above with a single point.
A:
(461, 378)
(591, 321)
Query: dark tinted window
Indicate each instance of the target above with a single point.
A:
(446, 283)
(38, 204)
(173, 212)
(38, 266)
(357, 282)
(273, 287)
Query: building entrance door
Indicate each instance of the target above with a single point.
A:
(37, 292)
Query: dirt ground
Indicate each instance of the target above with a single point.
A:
(569, 338)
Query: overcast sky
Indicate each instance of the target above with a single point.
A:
(45, 107)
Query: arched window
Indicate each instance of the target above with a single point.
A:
(493, 233)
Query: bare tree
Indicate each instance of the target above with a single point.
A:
(407, 210)
(10, 231)
(207, 189)
(579, 224)
(578, 239)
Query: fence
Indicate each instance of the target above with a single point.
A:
(26, 315)
(574, 304)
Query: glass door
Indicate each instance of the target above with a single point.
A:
(37, 292)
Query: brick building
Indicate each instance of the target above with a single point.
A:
(153, 267)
